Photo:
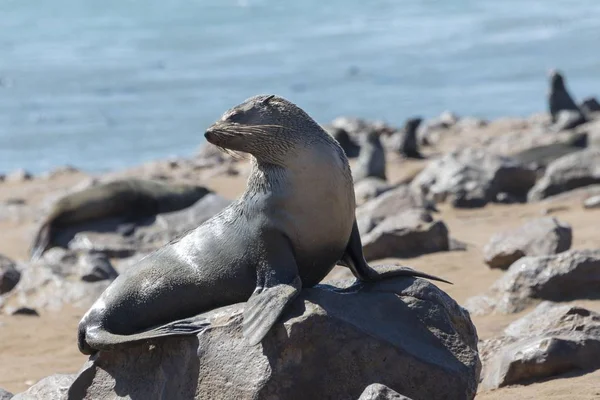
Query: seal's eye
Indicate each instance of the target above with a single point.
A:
(236, 117)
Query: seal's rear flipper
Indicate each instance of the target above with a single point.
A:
(93, 338)
(41, 242)
(354, 259)
(265, 306)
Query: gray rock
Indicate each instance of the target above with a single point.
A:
(19, 175)
(568, 172)
(589, 105)
(50, 284)
(96, 267)
(111, 244)
(408, 234)
(5, 394)
(371, 159)
(568, 119)
(331, 344)
(369, 188)
(592, 202)
(378, 391)
(390, 203)
(472, 178)
(539, 237)
(551, 340)
(573, 274)
(538, 157)
(9, 275)
(53, 387)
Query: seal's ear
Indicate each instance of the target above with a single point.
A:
(266, 99)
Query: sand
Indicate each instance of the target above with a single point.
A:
(34, 347)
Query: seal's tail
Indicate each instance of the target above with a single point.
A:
(41, 241)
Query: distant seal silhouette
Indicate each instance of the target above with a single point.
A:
(343, 137)
(131, 199)
(409, 147)
(371, 158)
(559, 98)
(287, 231)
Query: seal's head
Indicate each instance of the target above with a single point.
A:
(268, 127)
(412, 124)
(556, 80)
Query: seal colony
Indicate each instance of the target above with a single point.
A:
(131, 199)
(293, 223)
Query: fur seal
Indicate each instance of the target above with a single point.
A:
(287, 231)
(371, 159)
(559, 98)
(409, 146)
(131, 199)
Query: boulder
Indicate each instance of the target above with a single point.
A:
(472, 178)
(6, 395)
(568, 119)
(567, 173)
(592, 202)
(408, 234)
(371, 159)
(96, 267)
(574, 274)
(53, 387)
(589, 105)
(551, 340)
(9, 275)
(539, 237)
(331, 343)
(18, 175)
(378, 391)
(389, 204)
(369, 188)
(51, 282)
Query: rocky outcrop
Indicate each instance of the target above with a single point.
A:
(561, 277)
(6, 395)
(472, 178)
(389, 204)
(403, 333)
(567, 173)
(53, 387)
(60, 277)
(9, 275)
(369, 188)
(551, 340)
(408, 234)
(539, 237)
(378, 391)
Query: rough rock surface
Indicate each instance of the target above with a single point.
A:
(9, 275)
(568, 172)
(53, 281)
(53, 387)
(592, 202)
(403, 333)
(574, 274)
(472, 178)
(388, 204)
(369, 188)
(551, 340)
(6, 395)
(378, 391)
(539, 237)
(409, 234)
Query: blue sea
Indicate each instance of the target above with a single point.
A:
(102, 85)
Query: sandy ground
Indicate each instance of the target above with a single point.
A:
(34, 347)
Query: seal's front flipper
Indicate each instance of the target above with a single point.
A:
(278, 284)
(354, 259)
(265, 306)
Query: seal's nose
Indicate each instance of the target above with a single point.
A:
(209, 135)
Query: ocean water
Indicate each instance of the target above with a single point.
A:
(104, 85)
